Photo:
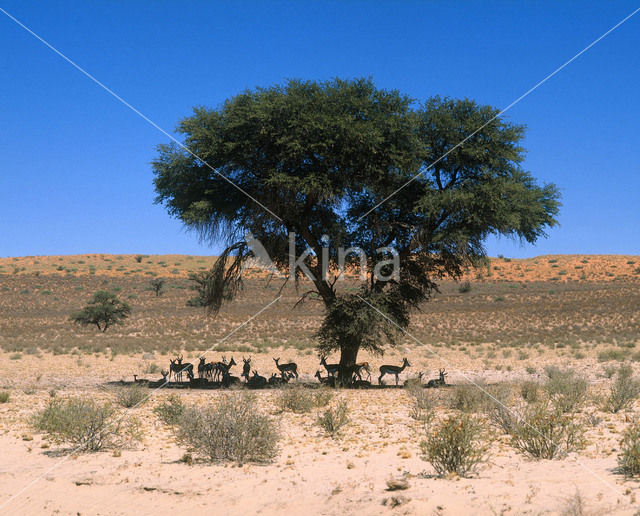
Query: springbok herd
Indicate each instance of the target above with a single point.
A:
(357, 375)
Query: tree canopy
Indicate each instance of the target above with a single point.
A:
(104, 310)
(313, 159)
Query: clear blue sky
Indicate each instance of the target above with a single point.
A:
(75, 174)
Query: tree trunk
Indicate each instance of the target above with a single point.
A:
(348, 357)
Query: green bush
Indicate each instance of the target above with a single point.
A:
(232, 430)
(566, 389)
(132, 396)
(86, 424)
(530, 391)
(629, 456)
(300, 399)
(545, 432)
(4, 396)
(422, 405)
(332, 420)
(170, 411)
(478, 397)
(457, 445)
(624, 391)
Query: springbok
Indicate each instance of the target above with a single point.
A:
(363, 366)
(278, 380)
(391, 369)
(164, 375)
(257, 381)
(222, 369)
(332, 369)
(246, 367)
(414, 381)
(202, 367)
(438, 382)
(328, 380)
(177, 368)
(286, 368)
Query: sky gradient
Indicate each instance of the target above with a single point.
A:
(76, 177)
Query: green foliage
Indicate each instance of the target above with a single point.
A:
(132, 396)
(457, 445)
(232, 430)
(86, 424)
(319, 156)
(479, 397)
(104, 310)
(170, 411)
(629, 456)
(422, 404)
(4, 396)
(566, 389)
(545, 432)
(157, 285)
(333, 419)
(530, 391)
(301, 400)
(624, 391)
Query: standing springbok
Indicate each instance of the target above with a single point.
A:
(202, 367)
(222, 369)
(363, 366)
(438, 382)
(391, 369)
(332, 369)
(246, 367)
(177, 368)
(286, 368)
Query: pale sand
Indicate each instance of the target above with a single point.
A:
(313, 474)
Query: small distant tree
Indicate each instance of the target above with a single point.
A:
(104, 310)
(157, 285)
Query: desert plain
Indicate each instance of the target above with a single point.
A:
(515, 322)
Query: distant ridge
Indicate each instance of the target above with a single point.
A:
(561, 268)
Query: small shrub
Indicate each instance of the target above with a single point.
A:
(332, 420)
(566, 389)
(530, 391)
(457, 445)
(478, 397)
(232, 430)
(624, 390)
(422, 408)
(132, 396)
(465, 287)
(171, 411)
(545, 432)
(86, 424)
(152, 368)
(301, 400)
(629, 456)
(611, 354)
(4, 396)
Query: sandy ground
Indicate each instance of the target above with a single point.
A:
(312, 473)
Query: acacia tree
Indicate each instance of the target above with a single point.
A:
(104, 310)
(319, 156)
